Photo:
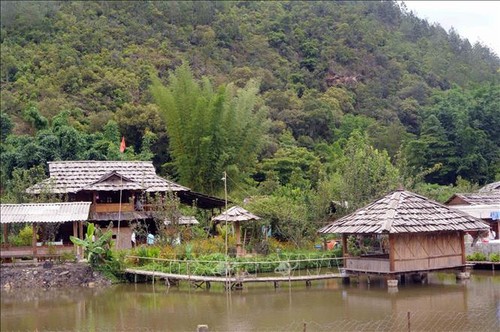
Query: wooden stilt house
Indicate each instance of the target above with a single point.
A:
(403, 233)
(120, 192)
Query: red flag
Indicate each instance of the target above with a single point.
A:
(122, 145)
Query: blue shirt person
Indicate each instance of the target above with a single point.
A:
(151, 239)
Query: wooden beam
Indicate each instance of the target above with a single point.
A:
(392, 244)
(5, 234)
(75, 234)
(462, 245)
(33, 241)
(80, 231)
(237, 233)
(344, 248)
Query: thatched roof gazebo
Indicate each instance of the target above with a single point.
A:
(235, 215)
(411, 234)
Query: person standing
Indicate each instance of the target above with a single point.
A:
(151, 239)
(132, 239)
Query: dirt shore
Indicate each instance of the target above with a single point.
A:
(50, 275)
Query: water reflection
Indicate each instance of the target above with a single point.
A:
(442, 304)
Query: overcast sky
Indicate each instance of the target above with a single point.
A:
(474, 20)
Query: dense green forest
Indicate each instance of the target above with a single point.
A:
(302, 103)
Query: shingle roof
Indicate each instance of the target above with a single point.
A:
(236, 213)
(485, 198)
(74, 176)
(495, 186)
(184, 220)
(404, 212)
(44, 212)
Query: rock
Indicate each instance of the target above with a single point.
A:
(60, 275)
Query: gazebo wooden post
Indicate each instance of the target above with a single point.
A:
(33, 241)
(237, 232)
(392, 244)
(462, 245)
(344, 247)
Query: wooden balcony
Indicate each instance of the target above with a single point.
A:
(112, 207)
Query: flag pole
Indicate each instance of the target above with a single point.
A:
(225, 201)
(119, 213)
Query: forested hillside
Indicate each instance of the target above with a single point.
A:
(301, 103)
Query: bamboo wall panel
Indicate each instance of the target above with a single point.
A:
(113, 207)
(368, 264)
(414, 252)
(427, 245)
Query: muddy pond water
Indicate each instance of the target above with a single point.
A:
(443, 304)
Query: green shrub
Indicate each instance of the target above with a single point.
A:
(24, 238)
(477, 257)
(494, 257)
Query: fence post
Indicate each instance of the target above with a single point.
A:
(409, 322)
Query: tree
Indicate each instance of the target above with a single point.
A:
(365, 172)
(287, 213)
(97, 245)
(432, 149)
(210, 130)
(6, 126)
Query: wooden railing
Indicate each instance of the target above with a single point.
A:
(43, 251)
(376, 265)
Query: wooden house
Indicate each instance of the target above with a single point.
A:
(120, 192)
(403, 233)
(485, 204)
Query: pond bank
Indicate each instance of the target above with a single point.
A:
(47, 274)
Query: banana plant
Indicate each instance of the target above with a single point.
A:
(97, 248)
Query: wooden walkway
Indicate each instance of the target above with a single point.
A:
(233, 281)
(484, 265)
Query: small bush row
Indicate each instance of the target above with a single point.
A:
(481, 257)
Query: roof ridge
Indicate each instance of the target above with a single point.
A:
(394, 202)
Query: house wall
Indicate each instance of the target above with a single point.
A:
(124, 239)
(427, 251)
